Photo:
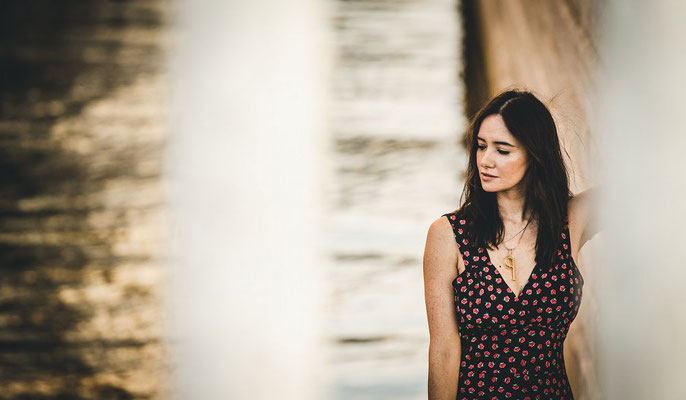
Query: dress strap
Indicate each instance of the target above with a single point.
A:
(565, 251)
(459, 229)
(465, 246)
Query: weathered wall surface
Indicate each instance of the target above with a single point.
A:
(548, 47)
(81, 128)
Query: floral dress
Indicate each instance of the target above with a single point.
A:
(512, 346)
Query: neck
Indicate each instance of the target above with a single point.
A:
(511, 206)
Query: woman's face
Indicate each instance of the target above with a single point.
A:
(499, 155)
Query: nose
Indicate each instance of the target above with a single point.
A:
(486, 161)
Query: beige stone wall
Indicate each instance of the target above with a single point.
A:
(548, 47)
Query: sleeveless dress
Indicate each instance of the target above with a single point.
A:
(512, 347)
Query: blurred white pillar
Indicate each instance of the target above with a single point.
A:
(642, 268)
(245, 172)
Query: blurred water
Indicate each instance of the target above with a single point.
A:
(397, 115)
(82, 125)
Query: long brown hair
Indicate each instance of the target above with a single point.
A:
(546, 182)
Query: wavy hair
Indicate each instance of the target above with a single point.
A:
(546, 182)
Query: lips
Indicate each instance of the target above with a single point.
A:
(488, 175)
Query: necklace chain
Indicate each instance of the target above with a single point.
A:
(520, 238)
(510, 261)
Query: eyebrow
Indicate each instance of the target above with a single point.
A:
(499, 142)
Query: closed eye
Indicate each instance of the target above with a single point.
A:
(481, 147)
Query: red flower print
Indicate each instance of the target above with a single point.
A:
(507, 345)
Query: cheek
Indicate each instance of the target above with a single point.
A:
(515, 168)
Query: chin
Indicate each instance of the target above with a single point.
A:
(487, 187)
(491, 187)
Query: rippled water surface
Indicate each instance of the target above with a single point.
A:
(397, 114)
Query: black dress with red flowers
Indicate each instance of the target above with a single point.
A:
(512, 346)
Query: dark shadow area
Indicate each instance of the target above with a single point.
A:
(474, 75)
(54, 60)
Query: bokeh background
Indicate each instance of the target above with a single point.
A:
(407, 77)
(229, 200)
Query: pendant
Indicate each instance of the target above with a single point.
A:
(510, 263)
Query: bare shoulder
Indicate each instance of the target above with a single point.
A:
(441, 228)
(440, 238)
(441, 249)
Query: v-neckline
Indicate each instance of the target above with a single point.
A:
(507, 286)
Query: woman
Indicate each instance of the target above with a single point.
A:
(498, 332)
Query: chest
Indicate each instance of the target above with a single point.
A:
(514, 264)
(484, 301)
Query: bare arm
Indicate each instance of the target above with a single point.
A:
(440, 259)
(582, 212)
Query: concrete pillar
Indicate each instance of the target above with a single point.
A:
(641, 271)
(245, 172)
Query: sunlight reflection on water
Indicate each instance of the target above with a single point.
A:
(396, 118)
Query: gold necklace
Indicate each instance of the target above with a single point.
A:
(510, 261)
